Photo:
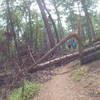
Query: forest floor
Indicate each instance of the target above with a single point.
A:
(72, 82)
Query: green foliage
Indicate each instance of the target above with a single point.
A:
(68, 13)
(30, 90)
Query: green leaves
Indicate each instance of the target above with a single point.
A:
(30, 90)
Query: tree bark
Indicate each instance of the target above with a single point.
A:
(47, 25)
(13, 31)
(83, 37)
(30, 27)
(53, 23)
(89, 22)
(87, 55)
(72, 34)
(61, 31)
(90, 55)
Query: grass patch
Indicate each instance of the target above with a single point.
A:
(30, 90)
(79, 72)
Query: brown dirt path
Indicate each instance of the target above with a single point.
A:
(61, 87)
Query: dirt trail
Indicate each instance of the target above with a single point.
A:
(61, 87)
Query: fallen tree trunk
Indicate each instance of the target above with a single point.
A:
(55, 62)
(90, 50)
(79, 54)
(89, 55)
(72, 34)
(92, 57)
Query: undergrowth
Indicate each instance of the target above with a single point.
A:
(30, 90)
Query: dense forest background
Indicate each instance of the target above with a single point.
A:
(30, 28)
(38, 25)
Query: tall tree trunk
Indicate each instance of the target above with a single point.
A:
(36, 32)
(53, 23)
(83, 37)
(89, 22)
(13, 31)
(30, 27)
(8, 39)
(47, 25)
(61, 31)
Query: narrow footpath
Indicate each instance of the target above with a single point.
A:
(62, 87)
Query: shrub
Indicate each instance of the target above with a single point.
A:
(29, 91)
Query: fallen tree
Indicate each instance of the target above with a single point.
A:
(65, 59)
(81, 55)
(55, 62)
(72, 34)
(89, 54)
(92, 57)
